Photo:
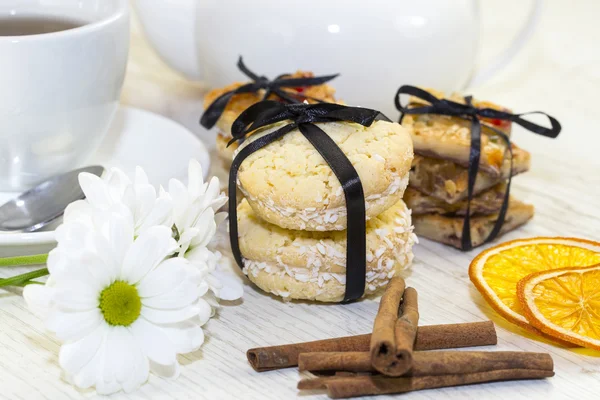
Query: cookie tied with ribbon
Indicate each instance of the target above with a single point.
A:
(486, 149)
(270, 122)
(276, 88)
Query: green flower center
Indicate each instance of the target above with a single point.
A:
(120, 304)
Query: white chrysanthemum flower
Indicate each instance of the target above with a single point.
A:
(194, 206)
(115, 192)
(196, 220)
(215, 274)
(121, 306)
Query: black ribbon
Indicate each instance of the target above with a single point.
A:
(469, 112)
(303, 117)
(216, 108)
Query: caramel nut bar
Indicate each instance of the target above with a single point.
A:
(488, 202)
(448, 181)
(448, 230)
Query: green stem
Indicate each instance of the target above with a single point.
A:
(20, 280)
(37, 259)
(23, 284)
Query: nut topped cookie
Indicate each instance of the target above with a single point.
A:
(312, 265)
(289, 184)
(241, 101)
(449, 138)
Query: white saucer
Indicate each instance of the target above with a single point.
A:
(136, 137)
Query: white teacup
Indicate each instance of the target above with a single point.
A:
(58, 90)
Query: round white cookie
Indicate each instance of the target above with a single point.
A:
(289, 184)
(312, 265)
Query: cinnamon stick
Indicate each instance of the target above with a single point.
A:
(322, 382)
(347, 373)
(364, 385)
(431, 337)
(430, 363)
(405, 332)
(383, 340)
(352, 361)
(454, 336)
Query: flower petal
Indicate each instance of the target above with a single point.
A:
(116, 182)
(180, 197)
(167, 276)
(166, 371)
(129, 199)
(185, 239)
(106, 382)
(212, 301)
(154, 342)
(169, 316)
(73, 325)
(76, 298)
(220, 217)
(74, 236)
(160, 214)
(140, 367)
(87, 376)
(82, 269)
(74, 356)
(146, 252)
(213, 197)
(204, 311)
(88, 270)
(202, 288)
(140, 176)
(38, 298)
(183, 295)
(119, 355)
(185, 336)
(195, 178)
(231, 287)
(208, 227)
(77, 210)
(106, 387)
(95, 190)
(201, 256)
(145, 196)
(213, 190)
(120, 238)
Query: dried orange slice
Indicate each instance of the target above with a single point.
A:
(564, 303)
(496, 271)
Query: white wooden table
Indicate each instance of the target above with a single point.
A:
(558, 72)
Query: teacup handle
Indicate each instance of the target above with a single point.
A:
(503, 59)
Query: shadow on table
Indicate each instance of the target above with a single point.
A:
(10, 291)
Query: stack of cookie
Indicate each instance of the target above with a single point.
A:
(292, 220)
(242, 101)
(437, 193)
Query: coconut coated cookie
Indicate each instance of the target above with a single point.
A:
(312, 265)
(289, 184)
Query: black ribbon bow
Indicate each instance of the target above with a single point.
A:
(469, 112)
(303, 117)
(216, 108)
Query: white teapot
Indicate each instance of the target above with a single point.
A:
(375, 45)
